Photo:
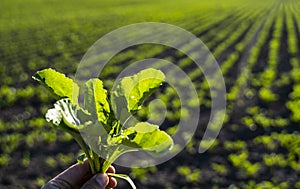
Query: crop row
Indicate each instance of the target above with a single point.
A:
(294, 103)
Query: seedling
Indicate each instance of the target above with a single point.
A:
(103, 119)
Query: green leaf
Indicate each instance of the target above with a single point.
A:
(130, 92)
(148, 137)
(60, 85)
(65, 112)
(95, 100)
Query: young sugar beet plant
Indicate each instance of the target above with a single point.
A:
(103, 120)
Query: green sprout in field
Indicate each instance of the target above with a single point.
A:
(98, 125)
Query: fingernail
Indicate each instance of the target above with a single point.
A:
(101, 179)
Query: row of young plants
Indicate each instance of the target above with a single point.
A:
(248, 168)
(276, 141)
(245, 69)
(222, 40)
(271, 78)
(239, 36)
(240, 46)
(293, 41)
(268, 76)
(258, 117)
(244, 151)
(253, 21)
(230, 30)
(254, 167)
(220, 50)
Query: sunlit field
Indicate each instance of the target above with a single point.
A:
(256, 44)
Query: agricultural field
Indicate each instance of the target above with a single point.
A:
(256, 44)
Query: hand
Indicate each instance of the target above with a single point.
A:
(80, 176)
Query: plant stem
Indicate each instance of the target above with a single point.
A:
(86, 151)
(96, 160)
(76, 135)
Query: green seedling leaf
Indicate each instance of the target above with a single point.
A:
(148, 137)
(130, 92)
(65, 112)
(95, 100)
(60, 85)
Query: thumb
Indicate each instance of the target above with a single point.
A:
(98, 181)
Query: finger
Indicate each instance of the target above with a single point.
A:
(111, 169)
(112, 183)
(99, 181)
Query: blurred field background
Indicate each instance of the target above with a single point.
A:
(256, 44)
